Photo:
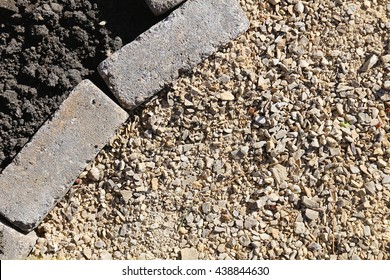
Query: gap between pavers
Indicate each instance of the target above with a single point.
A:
(159, 7)
(43, 171)
(176, 44)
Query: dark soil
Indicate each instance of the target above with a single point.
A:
(47, 48)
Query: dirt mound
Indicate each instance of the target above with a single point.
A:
(47, 48)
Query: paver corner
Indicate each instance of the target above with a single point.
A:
(15, 245)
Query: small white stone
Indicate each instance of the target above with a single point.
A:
(260, 120)
(299, 7)
(104, 255)
(311, 214)
(381, 163)
(226, 96)
(299, 228)
(369, 63)
(370, 187)
(386, 179)
(244, 150)
(367, 231)
(309, 202)
(87, 252)
(354, 169)
(250, 222)
(339, 108)
(206, 207)
(273, 197)
(189, 254)
(94, 174)
(367, 4)
(154, 183)
(385, 58)
(141, 167)
(126, 195)
(100, 244)
(315, 143)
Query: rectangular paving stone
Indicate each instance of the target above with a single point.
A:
(15, 245)
(41, 174)
(187, 36)
(159, 7)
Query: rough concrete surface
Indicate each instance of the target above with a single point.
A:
(15, 245)
(190, 34)
(43, 171)
(159, 7)
(9, 5)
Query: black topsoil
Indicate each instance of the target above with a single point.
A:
(47, 48)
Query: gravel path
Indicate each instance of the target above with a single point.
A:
(277, 147)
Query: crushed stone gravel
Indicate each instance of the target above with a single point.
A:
(276, 147)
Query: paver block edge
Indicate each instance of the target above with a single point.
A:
(185, 38)
(43, 171)
(15, 245)
(158, 7)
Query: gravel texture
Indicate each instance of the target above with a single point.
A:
(277, 147)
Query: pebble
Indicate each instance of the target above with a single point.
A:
(314, 246)
(299, 228)
(154, 184)
(221, 248)
(127, 195)
(354, 169)
(250, 222)
(189, 254)
(370, 187)
(279, 173)
(299, 7)
(87, 252)
(311, 214)
(94, 174)
(226, 96)
(309, 203)
(244, 240)
(260, 120)
(386, 179)
(104, 255)
(218, 229)
(99, 244)
(369, 63)
(367, 231)
(385, 58)
(244, 150)
(206, 207)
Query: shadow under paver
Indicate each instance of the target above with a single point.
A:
(178, 43)
(41, 174)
